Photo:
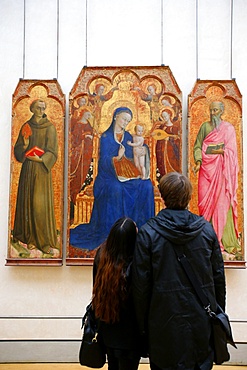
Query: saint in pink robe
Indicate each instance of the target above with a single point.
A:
(218, 179)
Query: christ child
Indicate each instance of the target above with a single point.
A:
(139, 150)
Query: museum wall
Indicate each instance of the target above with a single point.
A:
(41, 307)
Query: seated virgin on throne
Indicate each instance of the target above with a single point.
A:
(119, 189)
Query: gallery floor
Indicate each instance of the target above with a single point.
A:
(59, 366)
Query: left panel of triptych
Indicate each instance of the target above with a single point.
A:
(36, 205)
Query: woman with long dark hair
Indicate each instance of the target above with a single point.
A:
(112, 300)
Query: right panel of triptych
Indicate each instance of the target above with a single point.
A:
(215, 162)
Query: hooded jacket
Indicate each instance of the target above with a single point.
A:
(168, 310)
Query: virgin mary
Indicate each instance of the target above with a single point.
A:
(118, 188)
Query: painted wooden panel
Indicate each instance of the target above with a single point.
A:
(215, 164)
(103, 186)
(37, 174)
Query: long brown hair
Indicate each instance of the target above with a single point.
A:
(110, 289)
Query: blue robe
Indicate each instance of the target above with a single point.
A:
(112, 198)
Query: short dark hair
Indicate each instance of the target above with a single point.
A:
(176, 190)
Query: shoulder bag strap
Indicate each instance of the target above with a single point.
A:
(193, 280)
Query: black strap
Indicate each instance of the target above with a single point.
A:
(88, 308)
(194, 280)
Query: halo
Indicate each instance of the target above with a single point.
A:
(169, 98)
(146, 82)
(77, 98)
(169, 111)
(107, 114)
(99, 81)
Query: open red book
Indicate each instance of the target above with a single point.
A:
(35, 150)
(125, 169)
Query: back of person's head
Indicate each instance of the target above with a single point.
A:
(176, 190)
(121, 239)
(110, 288)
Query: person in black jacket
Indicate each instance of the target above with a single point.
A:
(169, 313)
(112, 298)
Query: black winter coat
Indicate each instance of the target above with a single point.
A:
(168, 310)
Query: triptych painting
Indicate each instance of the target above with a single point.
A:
(124, 134)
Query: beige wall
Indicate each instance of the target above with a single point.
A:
(46, 303)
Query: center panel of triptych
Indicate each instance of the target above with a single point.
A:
(124, 134)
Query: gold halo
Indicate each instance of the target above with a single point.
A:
(75, 100)
(169, 111)
(99, 81)
(146, 82)
(166, 97)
